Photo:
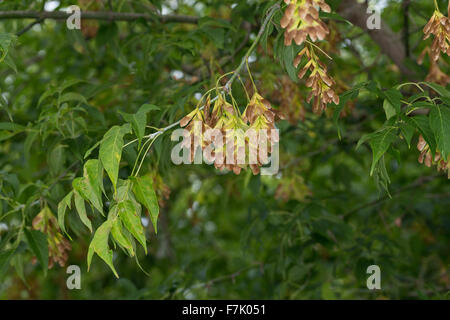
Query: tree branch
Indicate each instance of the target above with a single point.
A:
(405, 6)
(389, 42)
(98, 15)
(28, 27)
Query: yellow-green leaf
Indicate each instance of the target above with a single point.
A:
(143, 189)
(130, 217)
(99, 245)
(120, 237)
(111, 152)
(65, 203)
(93, 174)
(138, 120)
(440, 124)
(81, 209)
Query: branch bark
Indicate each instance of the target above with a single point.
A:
(390, 43)
(98, 15)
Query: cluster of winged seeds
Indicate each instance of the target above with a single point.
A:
(226, 119)
(427, 158)
(318, 80)
(302, 23)
(439, 27)
(301, 19)
(58, 245)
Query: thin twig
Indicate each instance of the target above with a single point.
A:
(28, 27)
(98, 15)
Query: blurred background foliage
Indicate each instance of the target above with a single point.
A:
(309, 232)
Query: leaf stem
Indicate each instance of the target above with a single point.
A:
(317, 47)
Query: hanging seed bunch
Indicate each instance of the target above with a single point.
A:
(226, 118)
(439, 27)
(58, 246)
(318, 80)
(302, 23)
(301, 20)
(222, 118)
(427, 158)
(260, 116)
(196, 126)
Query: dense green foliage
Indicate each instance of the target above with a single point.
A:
(79, 166)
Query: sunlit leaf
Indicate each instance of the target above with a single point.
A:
(111, 151)
(81, 208)
(93, 175)
(440, 124)
(143, 189)
(65, 203)
(99, 245)
(138, 120)
(129, 216)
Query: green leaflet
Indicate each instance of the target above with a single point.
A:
(388, 109)
(86, 191)
(56, 159)
(143, 190)
(89, 186)
(81, 209)
(30, 139)
(440, 125)
(120, 237)
(394, 98)
(72, 96)
(333, 16)
(69, 83)
(5, 257)
(111, 151)
(381, 176)
(380, 143)
(6, 39)
(407, 130)
(99, 245)
(288, 60)
(38, 244)
(422, 123)
(18, 263)
(267, 32)
(129, 216)
(138, 120)
(93, 174)
(65, 203)
(10, 129)
(443, 92)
